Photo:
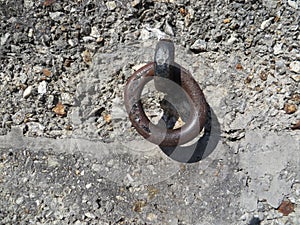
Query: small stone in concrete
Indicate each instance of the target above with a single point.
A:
(28, 3)
(266, 23)
(134, 3)
(18, 118)
(52, 161)
(231, 40)
(199, 46)
(4, 38)
(280, 67)
(19, 200)
(89, 215)
(35, 128)
(168, 29)
(42, 88)
(23, 78)
(94, 32)
(293, 3)
(27, 92)
(277, 48)
(111, 5)
(295, 66)
(67, 98)
(145, 34)
(55, 15)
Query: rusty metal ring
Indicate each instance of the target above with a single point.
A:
(154, 133)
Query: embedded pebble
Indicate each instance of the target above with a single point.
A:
(23, 78)
(35, 128)
(67, 98)
(89, 215)
(94, 32)
(295, 77)
(135, 3)
(145, 34)
(111, 5)
(266, 23)
(280, 67)
(27, 92)
(19, 117)
(168, 29)
(232, 40)
(30, 33)
(56, 16)
(4, 38)
(293, 3)
(52, 162)
(295, 66)
(278, 48)
(28, 3)
(42, 88)
(19, 200)
(199, 46)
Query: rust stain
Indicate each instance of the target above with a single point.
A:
(239, 66)
(286, 207)
(48, 2)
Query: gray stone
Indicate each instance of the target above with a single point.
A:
(232, 40)
(118, 110)
(4, 38)
(199, 46)
(67, 98)
(293, 3)
(23, 78)
(168, 29)
(260, 207)
(19, 200)
(88, 39)
(280, 67)
(135, 3)
(295, 66)
(72, 42)
(272, 4)
(56, 16)
(157, 33)
(266, 23)
(28, 3)
(19, 117)
(35, 128)
(50, 101)
(52, 162)
(269, 186)
(42, 88)
(145, 34)
(27, 92)
(89, 215)
(278, 48)
(111, 5)
(94, 32)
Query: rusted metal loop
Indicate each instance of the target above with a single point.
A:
(155, 133)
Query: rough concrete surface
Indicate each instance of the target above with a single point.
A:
(68, 152)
